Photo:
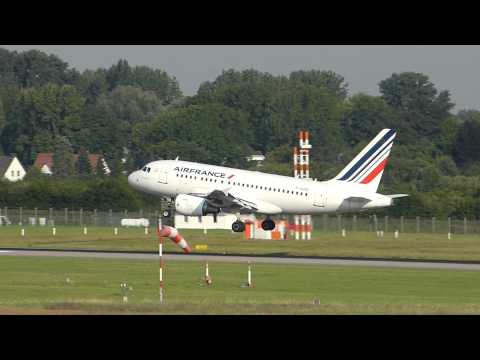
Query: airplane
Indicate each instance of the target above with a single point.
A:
(202, 189)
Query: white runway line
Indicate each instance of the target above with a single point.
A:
(5, 251)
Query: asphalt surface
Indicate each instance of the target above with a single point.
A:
(244, 259)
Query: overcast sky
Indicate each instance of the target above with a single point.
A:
(454, 68)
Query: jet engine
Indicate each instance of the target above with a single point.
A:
(194, 206)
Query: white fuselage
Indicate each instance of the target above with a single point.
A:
(273, 194)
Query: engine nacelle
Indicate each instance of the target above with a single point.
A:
(194, 206)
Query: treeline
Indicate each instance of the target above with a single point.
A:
(139, 114)
(102, 194)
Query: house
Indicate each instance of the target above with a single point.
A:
(258, 158)
(223, 221)
(44, 162)
(11, 169)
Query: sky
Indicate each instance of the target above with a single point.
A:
(449, 67)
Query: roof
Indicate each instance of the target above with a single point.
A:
(4, 163)
(47, 159)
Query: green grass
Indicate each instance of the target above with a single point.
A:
(38, 285)
(358, 244)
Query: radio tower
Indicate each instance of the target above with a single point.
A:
(301, 170)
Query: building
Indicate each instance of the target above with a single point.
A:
(44, 162)
(258, 158)
(11, 169)
(224, 221)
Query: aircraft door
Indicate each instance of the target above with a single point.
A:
(162, 176)
(319, 199)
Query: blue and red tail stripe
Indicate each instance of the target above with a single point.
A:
(372, 162)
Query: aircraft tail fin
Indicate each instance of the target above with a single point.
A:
(367, 167)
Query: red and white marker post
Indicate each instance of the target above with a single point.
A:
(160, 256)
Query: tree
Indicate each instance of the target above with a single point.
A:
(208, 133)
(116, 167)
(166, 88)
(119, 74)
(328, 80)
(33, 174)
(365, 116)
(422, 109)
(35, 68)
(92, 84)
(467, 146)
(84, 167)
(38, 116)
(63, 161)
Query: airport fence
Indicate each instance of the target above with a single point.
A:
(370, 223)
(418, 224)
(72, 217)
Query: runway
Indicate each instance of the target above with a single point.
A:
(447, 265)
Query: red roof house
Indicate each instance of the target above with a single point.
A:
(44, 162)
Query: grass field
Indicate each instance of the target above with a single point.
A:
(359, 244)
(37, 285)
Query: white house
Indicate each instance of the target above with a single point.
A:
(11, 169)
(224, 221)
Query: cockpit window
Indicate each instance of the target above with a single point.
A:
(144, 168)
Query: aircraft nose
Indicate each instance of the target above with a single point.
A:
(133, 179)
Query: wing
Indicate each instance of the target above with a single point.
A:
(225, 200)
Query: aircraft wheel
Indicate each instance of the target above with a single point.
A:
(166, 213)
(238, 226)
(268, 224)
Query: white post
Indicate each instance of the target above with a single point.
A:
(146, 231)
(23, 232)
(297, 234)
(449, 235)
(160, 254)
(302, 222)
(115, 231)
(206, 271)
(84, 231)
(309, 225)
(249, 278)
(396, 234)
(344, 233)
(54, 231)
(381, 233)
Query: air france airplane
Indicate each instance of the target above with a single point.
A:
(201, 189)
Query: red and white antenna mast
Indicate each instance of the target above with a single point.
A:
(301, 170)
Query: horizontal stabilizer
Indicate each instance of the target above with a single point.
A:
(396, 196)
(358, 199)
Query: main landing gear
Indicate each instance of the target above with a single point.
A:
(238, 226)
(268, 224)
